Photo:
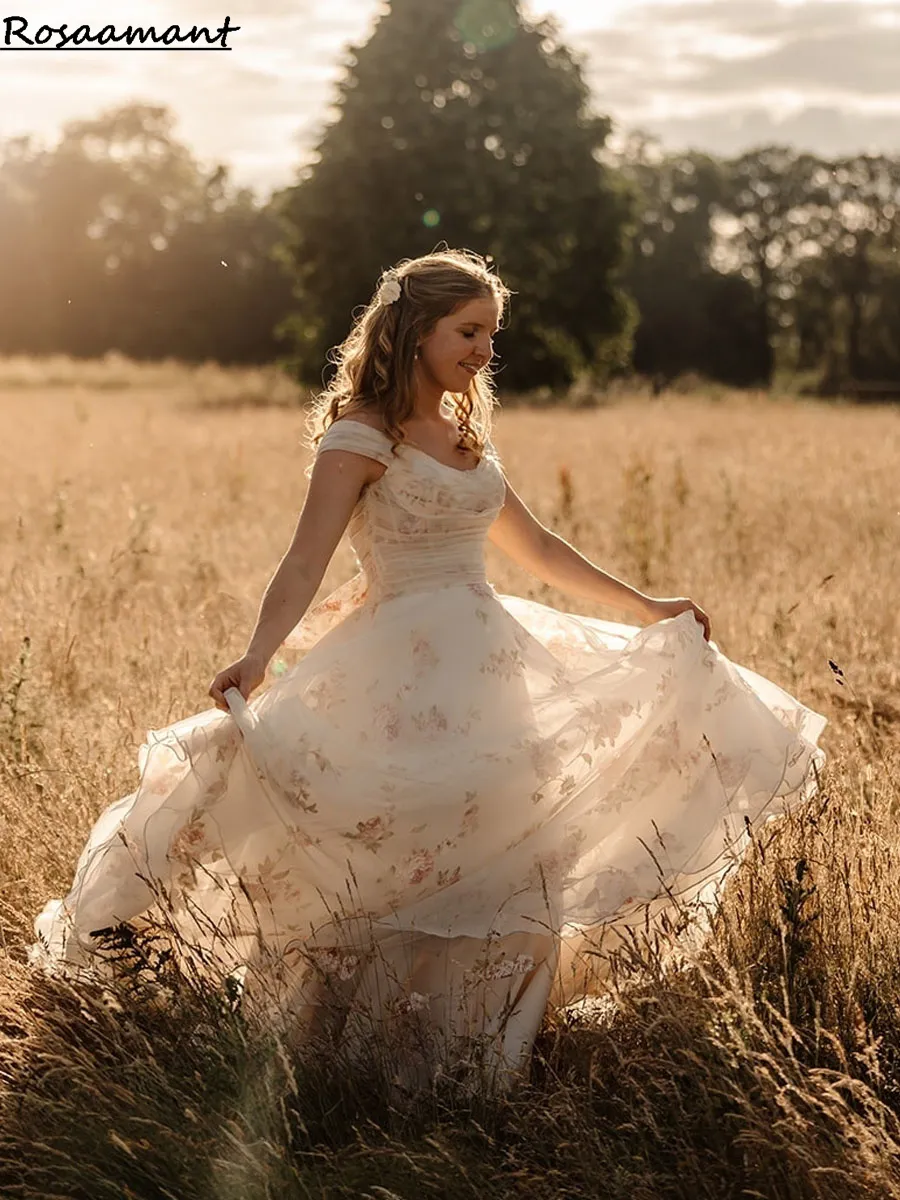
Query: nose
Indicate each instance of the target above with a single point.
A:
(485, 350)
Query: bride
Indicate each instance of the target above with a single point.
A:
(408, 829)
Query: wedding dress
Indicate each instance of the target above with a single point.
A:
(447, 786)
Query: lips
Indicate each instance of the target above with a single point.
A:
(471, 367)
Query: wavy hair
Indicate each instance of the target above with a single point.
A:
(376, 361)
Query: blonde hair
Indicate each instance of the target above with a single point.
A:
(376, 361)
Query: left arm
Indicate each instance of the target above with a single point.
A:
(518, 533)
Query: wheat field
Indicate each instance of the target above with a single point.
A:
(146, 508)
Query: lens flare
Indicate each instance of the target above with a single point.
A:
(486, 24)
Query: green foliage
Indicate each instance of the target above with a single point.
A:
(461, 123)
(818, 240)
(115, 239)
(775, 262)
(467, 125)
(690, 312)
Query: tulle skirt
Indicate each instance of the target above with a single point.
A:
(447, 788)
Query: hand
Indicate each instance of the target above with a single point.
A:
(246, 674)
(660, 610)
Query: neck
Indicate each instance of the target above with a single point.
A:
(429, 395)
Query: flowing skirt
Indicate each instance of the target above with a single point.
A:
(417, 817)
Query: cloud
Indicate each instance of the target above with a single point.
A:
(257, 108)
(821, 129)
(863, 62)
(723, 48)
(767, 18)
(724, 75)
(717, 74)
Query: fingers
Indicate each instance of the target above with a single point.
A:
(704, 621)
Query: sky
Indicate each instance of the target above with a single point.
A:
(719, 75)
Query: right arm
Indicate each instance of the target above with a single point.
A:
(336, 484)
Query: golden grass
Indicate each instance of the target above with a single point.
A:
(145, 511)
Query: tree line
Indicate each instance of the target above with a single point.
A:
(460, 123)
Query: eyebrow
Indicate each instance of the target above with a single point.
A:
(478, 325)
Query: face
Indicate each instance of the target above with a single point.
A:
(460, 344)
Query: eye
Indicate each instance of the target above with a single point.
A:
(469, 333)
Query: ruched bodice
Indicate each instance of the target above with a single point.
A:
(422, 525)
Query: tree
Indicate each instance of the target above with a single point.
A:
(770, 210)
(693, 317)
(460, 122)
(25, 286)
(857, 239)
(816, 240)
(116, 239)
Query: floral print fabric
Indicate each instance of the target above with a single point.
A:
(444, 761)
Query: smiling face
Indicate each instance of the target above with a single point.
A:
(460, 345)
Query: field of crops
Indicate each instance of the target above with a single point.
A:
(144, 512)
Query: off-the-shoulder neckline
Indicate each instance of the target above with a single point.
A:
(408, 445)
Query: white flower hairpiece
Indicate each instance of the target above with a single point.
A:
(390, 289)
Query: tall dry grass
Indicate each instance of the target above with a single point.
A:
(143, 517)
